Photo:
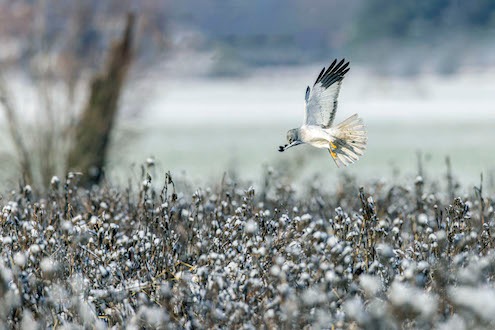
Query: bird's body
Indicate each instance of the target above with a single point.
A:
(346, 141)
(315, 135)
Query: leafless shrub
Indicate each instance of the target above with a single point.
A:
(62, 136)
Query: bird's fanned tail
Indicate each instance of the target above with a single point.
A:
(349, 141)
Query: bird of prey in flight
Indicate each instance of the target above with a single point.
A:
(346, 141)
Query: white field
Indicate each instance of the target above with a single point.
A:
(205, 126)
(202, 126)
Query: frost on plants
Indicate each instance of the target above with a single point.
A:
(234, 255)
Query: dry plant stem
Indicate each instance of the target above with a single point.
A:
(419, 157)
(479, 191)
(450, 179)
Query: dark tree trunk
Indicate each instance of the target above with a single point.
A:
(89, 149)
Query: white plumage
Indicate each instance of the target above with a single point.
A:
(346, 141)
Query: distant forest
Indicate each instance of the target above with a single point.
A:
(420, 19)
(251, 33)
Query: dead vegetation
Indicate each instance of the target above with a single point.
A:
(385, 256)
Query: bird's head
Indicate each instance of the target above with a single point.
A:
(292, 140)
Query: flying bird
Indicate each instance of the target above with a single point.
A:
(346, 141)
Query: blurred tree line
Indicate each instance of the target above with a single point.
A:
(76, 33)
(409, 37)
(257, 33)
(378, 19)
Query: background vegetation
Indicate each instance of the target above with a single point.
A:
(386, 256)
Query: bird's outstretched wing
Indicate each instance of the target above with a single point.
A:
(321, 102)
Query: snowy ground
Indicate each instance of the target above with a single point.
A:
(204, 126)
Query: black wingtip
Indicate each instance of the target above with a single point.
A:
(320, 75)
(335, 72)
(332, 65)
(281, 148)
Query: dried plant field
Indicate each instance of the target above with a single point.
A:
(381, 256)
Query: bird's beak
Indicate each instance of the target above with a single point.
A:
(287, 146)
